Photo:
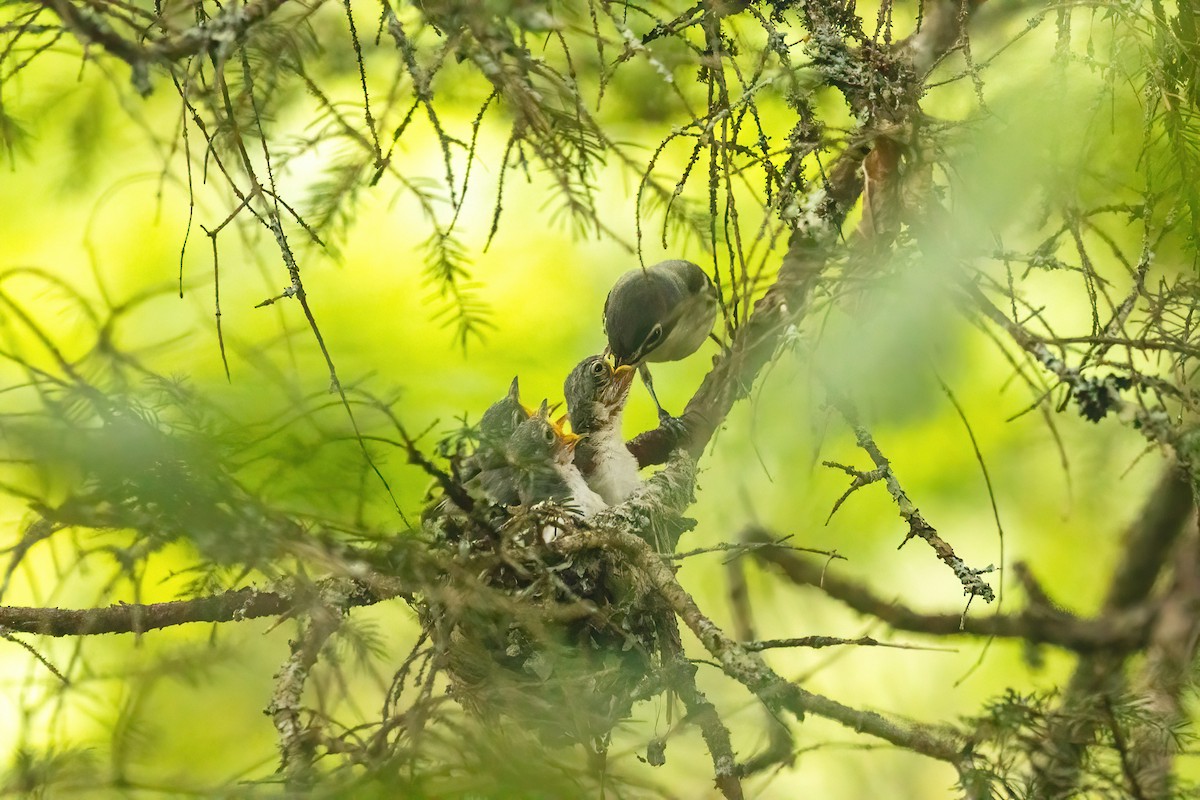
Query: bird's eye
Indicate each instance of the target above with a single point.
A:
(655, 335)
(598, 368)
(549, 436)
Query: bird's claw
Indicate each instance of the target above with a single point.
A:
(675, 426)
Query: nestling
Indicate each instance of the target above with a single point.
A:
(541, 456)
(596, 394)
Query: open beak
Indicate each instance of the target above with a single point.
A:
(613, 394)
(566, 437)
(617, 361)
(623, 375)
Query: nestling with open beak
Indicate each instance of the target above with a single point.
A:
(596, 394)
(661, 313)
(542, 457)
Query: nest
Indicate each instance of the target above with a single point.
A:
(562, 646)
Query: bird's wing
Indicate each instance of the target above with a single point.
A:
(499, 485)
(604, 313)
(688, 276)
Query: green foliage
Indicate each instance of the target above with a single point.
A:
(1039, 184)
(449, 280)
(1016, 730)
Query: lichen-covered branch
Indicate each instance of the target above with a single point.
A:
(973, 584)
(1124, 629)
(1095, 397)
(232, 606)
(296, 743)
(682, 680)
(223, 30)
(751, 671)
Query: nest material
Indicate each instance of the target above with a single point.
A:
(559, 645)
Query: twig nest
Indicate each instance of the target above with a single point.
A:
(561, 644)
(557, 644)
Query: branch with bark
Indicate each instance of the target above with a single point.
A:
(1124, 629)
(1149, 543)
(748, 668)
(231, 606)
(223, 31)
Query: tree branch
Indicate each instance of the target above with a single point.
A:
(973, 584)
(1167, 674)
(1126, 629)
(227, 27)
(751, 671)
(716, 735)
(810, 245)
(1148, 543)
(239, 604)
(296, 744)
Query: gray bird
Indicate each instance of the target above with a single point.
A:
(488, 468)
(661, 313)
(596, 394)
(501, 420)
(541, 456)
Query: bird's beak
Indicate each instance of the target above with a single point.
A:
(560, 429)
(624, 375)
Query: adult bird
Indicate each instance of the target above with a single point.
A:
(661, 313)
(541, 456)
(596, 394)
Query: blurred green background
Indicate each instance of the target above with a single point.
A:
(93, 196)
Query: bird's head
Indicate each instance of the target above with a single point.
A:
(660, 313)
(540, 442)
(638, 315)
(596, 392)
(503, 417)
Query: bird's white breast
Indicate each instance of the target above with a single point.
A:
(614, 474)
(582, 496)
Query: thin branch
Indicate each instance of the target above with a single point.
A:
(973, 584)
(749, 669)
(833, 641)
(1124, 630)
(137, 618)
